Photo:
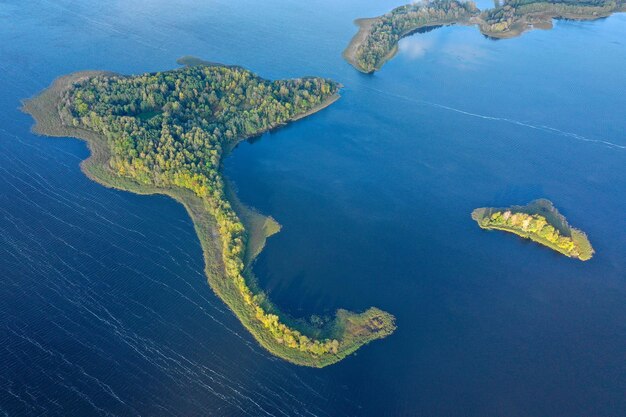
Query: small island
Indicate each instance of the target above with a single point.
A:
(168, 133)
(376, 42)
(539, 221)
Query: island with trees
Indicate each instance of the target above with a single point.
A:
(168, 133)
(376, 42)
(539, 221)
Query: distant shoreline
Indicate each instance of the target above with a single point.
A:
(357, 40)
(504, 22)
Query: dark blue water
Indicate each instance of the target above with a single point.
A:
(104, 308)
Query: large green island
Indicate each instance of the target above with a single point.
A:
(168, 133)
(376, 42)
(539, 221)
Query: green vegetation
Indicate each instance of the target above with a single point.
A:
(377, 40)
(168, 133)
(513, 17)
(539, 221)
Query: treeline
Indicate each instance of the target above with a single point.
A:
(502, 17)
(388, 29)
(536, 225)
(170, 129)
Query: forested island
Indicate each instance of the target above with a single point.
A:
(167, 133)
(539, 221)
(377, 39)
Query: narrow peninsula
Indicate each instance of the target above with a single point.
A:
(539, 221)
(376, 42)
(377, 39)
(168, 133)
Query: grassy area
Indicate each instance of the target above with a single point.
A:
(540, 222)
(350, 53)
(349, 330)
(258, 226)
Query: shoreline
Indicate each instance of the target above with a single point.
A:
(49, 121)
(530, 236)
(357, 40)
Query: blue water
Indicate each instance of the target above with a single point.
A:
(104, 308)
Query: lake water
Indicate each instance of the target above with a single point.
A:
(104, 308)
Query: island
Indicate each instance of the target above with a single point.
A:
(376, 42)
(539, 221)
(168, 133)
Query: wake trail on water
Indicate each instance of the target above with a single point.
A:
(546, 129)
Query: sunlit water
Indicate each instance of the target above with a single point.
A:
(104, 308)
